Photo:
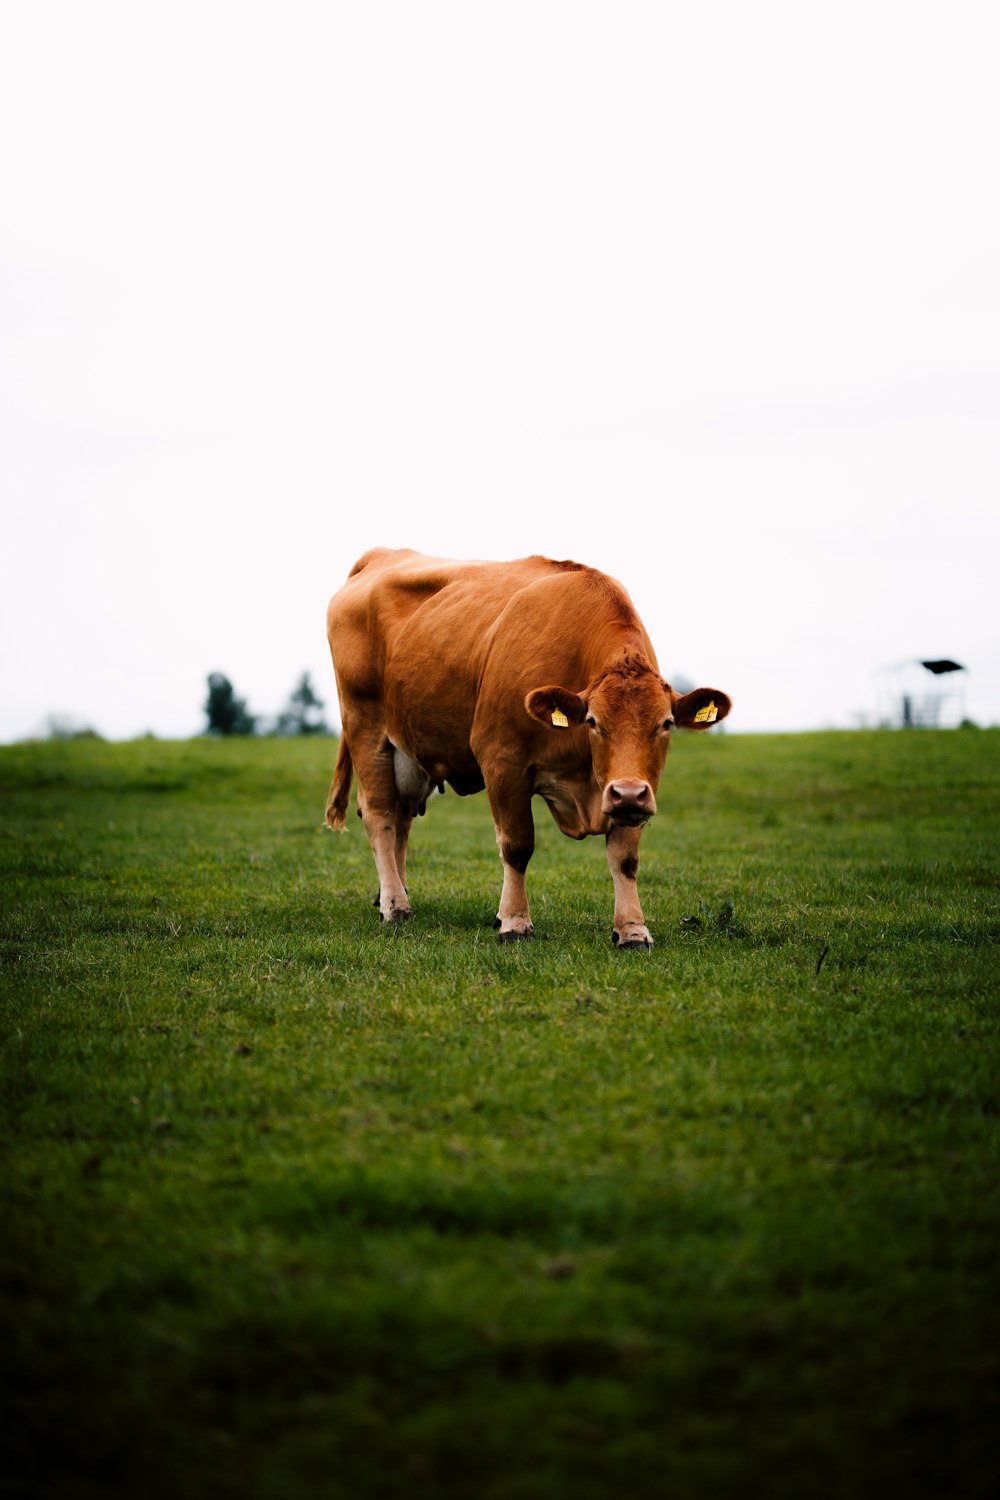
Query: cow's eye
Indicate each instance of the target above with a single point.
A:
(591, 722)
(668, 723)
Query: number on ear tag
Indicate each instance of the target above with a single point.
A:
(708, 714)
(559, 719)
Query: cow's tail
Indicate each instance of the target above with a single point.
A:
(340, 788)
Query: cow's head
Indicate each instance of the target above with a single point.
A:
(629, 714)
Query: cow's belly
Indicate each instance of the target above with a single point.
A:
(428, 714)
(444, 755)
(461, 772)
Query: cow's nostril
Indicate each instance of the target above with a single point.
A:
(635, 793)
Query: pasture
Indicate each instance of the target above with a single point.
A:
(296, 1206)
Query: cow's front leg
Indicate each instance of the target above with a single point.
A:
(510, 800)
(630, 930)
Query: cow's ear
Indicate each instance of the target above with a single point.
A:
(556, 707)
(701, 708)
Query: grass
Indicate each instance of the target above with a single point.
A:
(294, 1205)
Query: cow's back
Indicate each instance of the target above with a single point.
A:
(414, 632)
(402, 606)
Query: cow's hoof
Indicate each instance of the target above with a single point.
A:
(512, 936)
(401, 914)
(645, 943)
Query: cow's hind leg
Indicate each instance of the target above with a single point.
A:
(510, 801)
(404, 823)
(381, 828)
(630, 930)
(381, 814)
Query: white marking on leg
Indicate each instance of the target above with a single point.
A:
(513, 912)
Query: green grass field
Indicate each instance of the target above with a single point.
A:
(297, 1206)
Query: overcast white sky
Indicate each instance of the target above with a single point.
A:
(702, 294)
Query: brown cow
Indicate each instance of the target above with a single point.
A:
(528, 677)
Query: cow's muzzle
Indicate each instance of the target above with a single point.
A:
(628, 803)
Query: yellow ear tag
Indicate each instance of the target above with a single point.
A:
(559, 719)
(708, 714)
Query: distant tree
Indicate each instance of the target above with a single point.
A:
(61, 727)
(226, 713)
(302, 714)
